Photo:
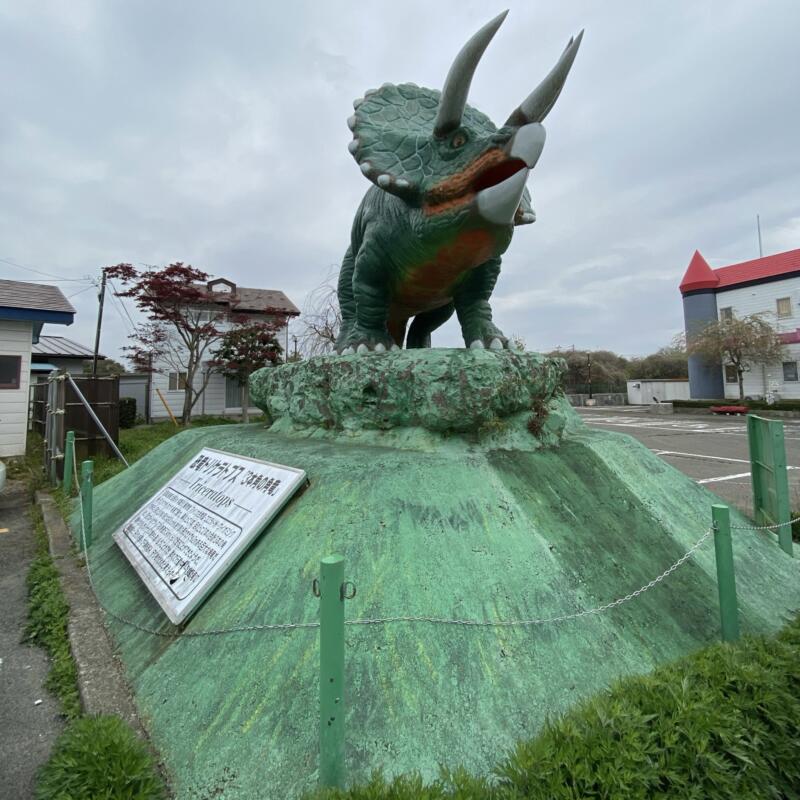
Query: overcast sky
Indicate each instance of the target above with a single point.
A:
(214, 133)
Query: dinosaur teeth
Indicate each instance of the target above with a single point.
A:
(366, 168)
(402, 183)
(351, 122)
(384, 181)
(353, 146)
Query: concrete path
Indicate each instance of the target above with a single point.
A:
(29, 714)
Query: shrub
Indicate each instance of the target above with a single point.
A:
(47, 621)
(761, 405)
(127, 412)
(99, 757)
(722, 723)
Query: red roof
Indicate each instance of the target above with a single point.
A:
(700, 276)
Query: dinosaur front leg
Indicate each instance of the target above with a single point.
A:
(471, 299)
(347, 301)
(372, 295)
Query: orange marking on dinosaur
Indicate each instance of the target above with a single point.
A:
(430, 285)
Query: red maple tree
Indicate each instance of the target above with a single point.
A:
(184, 321)
(244, 349)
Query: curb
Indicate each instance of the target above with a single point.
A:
(102, 685)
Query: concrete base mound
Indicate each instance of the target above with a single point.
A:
(448, 525)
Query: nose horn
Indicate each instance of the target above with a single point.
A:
(459, 78)
(538, 103)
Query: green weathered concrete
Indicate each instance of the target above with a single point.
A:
(460, 530)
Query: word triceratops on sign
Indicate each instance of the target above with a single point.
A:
(449, 189)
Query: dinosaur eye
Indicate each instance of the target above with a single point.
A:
(458, 140)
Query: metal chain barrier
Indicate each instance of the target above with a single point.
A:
(765, 527)
(384, 620)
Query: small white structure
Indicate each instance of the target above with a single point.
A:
(24, 309)
(647, 391)
(222, 395)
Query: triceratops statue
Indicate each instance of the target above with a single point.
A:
(449, 189)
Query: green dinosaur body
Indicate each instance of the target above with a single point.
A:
(428, 237)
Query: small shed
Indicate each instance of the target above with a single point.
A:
(24, 309)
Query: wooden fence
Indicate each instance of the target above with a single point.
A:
(56, 409)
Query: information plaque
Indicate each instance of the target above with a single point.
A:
(184, 539)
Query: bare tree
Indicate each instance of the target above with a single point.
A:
(740, 342)
(321, 318)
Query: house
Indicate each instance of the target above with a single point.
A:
(58, 352)
(227, 302)
(24, 309)
(769, 285)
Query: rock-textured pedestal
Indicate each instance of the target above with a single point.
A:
(484, 394)
(459, 486)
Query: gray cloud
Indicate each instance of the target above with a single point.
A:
(215, 134)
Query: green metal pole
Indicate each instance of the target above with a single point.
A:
(784, 509)
(331, 672)
(69, 450)
(87, 468)
(726, 580)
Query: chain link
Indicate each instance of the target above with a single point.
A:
(765, 527)
(474, 623)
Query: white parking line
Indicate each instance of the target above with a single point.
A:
(724, 478)
(700, 456)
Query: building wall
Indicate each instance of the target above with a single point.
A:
(213, 400)
(642, 392)
(762, 298)
(15, 340)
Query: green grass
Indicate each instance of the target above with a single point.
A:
(137, 442)
(722, 723)
(47, 621)
(99, 758)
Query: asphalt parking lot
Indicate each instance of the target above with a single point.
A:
(711, 450)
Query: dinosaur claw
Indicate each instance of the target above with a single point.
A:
(348, 351)
(495, 344)
(380, 348)
(362, 348)
(477, 345)
(393, 348)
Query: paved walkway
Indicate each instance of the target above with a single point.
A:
(29, 714)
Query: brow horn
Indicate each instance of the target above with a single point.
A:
(538, 103)
(456, 85)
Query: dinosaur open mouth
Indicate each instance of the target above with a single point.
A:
(498, 173)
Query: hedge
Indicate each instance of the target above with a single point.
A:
(722, 723)
(127, 412)
(780, 405)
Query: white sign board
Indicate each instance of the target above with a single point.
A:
(185, 539)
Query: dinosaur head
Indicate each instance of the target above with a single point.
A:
(434, 151)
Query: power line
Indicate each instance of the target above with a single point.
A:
(38, 271)
(130, 328)
(124, 307)
(81, 291)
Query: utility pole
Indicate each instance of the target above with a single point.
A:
(295, 347)
(589, 370)
(102, 298)
(758, 225)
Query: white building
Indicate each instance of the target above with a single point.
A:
(222, 395)
(769, 286)
(24, 309)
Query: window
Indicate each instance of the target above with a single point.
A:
(10, 367)
(790, 370)
(784, 306)
(725, 314)
(177, 381)
(731, 376)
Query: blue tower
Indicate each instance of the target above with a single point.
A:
(699, 290)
